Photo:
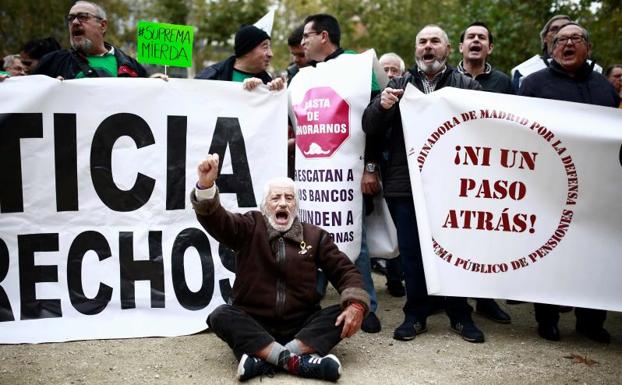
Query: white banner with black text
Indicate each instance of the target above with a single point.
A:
(97, 235)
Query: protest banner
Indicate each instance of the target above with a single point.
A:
(97, 235)
(516, 197)
(326, 106)
(266, 22)
(164, 44)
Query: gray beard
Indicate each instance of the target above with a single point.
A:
(272, 220)
(281, 228)
(85, 45)
(433, 68)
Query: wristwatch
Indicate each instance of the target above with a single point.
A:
(371, 167)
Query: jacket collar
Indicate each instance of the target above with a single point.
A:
(419, 75)
(582, 73)
(460, 68)
(294, 233)
(333, 55)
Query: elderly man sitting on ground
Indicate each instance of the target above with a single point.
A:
(275, 320)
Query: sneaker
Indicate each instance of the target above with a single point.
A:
(490, 309)
(371, 323)
(468, 331)
(250, 367)
(408, 330)
(323, 368)
(597, 333)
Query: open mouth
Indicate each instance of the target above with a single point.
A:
(77, 32)
(428, 56)
(281, 217)
(568, 53)
(475, 48)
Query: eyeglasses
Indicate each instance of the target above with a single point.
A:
(308, 34)
(82, 17)
(563, 40)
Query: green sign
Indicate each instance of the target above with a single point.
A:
(164, 44)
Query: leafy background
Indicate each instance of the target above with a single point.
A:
(389, 25)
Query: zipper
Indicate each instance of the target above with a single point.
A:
(280, 283)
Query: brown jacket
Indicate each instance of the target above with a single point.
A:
(276, 273)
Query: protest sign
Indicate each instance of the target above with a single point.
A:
(516, 197)
(326, 106)
(164, 44)
(97, 235)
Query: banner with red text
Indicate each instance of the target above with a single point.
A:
(326, 107)
(517, 197)
(98, 238)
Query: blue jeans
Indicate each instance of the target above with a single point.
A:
(364, 266)
(417, 307)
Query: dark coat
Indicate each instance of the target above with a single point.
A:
(378, 121)
(66, 63)
(587, 86)
(224, 71)
(492, 80)
(275, 277)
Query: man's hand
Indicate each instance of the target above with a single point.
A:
(390, 96)
(3, 77)
(250, 84)
(208, 171)
(159, 75)
(351, 317)
(370, 184)
(276, 84)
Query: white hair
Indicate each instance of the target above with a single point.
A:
(8, 61)
(278, 181)
(393, 56)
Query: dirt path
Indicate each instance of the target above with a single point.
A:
(512, 354)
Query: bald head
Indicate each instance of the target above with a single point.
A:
(432, 49)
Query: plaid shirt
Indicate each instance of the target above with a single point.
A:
(430, 85)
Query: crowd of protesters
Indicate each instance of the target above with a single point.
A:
(562, 70)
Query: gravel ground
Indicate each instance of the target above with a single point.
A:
(512, 354)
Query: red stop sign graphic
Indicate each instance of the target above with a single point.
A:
(323, 122)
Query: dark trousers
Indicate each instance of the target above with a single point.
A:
(247, 334)
(394, 270)
(549, 315)
(417, 305)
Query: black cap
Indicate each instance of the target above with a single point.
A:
(247, 38)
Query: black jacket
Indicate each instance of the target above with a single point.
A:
(69, 63)
(587, 86)
(378, 121)
(491, 80)
(224, 71)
